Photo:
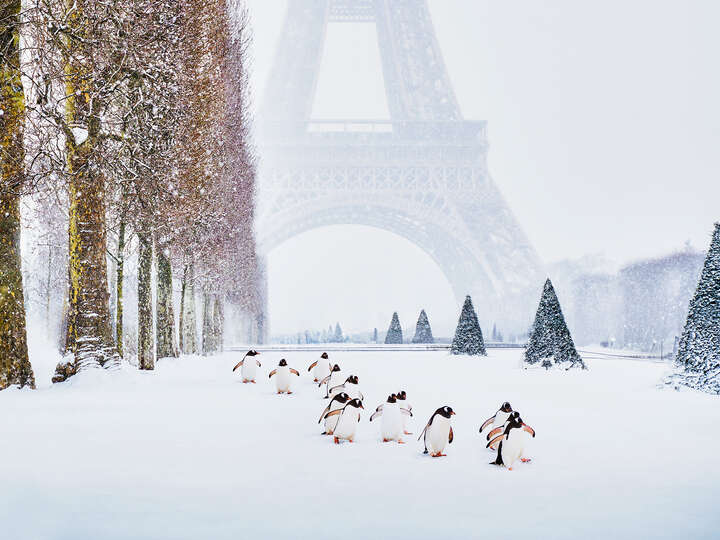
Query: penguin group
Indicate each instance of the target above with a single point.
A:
(505, 431)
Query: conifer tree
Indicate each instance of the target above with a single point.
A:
(338, 334)
(468, 335)
(394, 333)
(423, 332)
(697, 363)
(550, 338)
(375, 335)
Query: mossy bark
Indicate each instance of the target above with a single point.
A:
(89, 334)
(146, 348)
(15, 368)
(165, 315)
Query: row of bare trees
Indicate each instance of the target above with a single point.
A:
(131, 117)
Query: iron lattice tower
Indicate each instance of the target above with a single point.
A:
(422, 175)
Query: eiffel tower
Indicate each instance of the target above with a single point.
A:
(423, 174)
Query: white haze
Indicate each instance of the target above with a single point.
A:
(603, 130)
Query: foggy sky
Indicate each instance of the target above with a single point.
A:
(603, 126)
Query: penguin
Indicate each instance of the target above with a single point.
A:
(438, 432)
(333, 379)
(349, 418)
(513, 416)
(320, 368)
(350, 387)
(248, 368)
(511, 443)
(391, 427)
(336, 403)
(282, 382)
(499, 418)
(403, 404)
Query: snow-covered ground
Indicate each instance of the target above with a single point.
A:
(188, 452)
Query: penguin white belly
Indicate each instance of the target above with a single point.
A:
(282, 379)
(249, 369)
(331, 421)
(437, 434)
(404, 417)
(391, 422)
(353, 390)
(513, 446)
(335, 391)
(347, 424)
(321, 370)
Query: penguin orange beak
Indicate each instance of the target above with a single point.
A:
(527, 428)
(452, 413)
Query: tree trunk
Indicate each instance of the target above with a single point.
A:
(165, 314)
(189, 329)
(89, 335)
(208, 345)
(146, 352)
(219, 321)
(119, 288)
(15, 368)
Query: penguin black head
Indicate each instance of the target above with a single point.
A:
(324, 356)
(342, 397)
(392, 398)
(282, 362)
(505, 407)
(445, 411)
(352, 379)
(514, 419)
(356, 403)
(336, 368)
(401, 395)
(252, 353)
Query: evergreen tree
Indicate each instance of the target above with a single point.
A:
(375, 335)
(468, 335)
(494, 332)
(394, 333)
(549, 336)
(697, 363)
(423, 332)
(338, 334)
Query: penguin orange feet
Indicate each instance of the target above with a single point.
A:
(407, 432)
(245, 381)
(252, 382)
(386, 440)
(288, 392)
(337, 441)
(351, 440)
(279, 392)
(315, 380)
(509, 468)
(525, 460)
(400, 442)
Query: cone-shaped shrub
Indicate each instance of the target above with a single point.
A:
(468, 335)
(394, 333)
(423, 332)
(550, 340)
(697, 363)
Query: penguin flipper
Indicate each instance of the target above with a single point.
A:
(378, 412)
(498, 459)
(487, 422)
(273, 372)
(337, 386)
(496, 439)
(493, 433)
(450, 436)
(333, 413)
(406, 412)
(422, 434)
(295, 371)
(326, 379)
(313, 365)
(258, 363)
(324, 412)
(240, 363)
(530, 430)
